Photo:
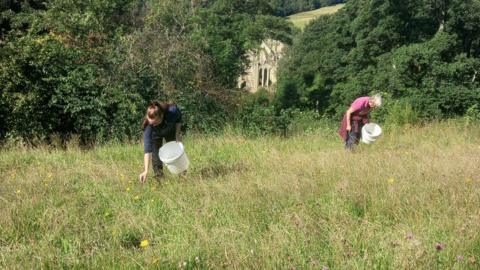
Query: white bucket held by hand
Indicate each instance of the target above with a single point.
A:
(174, 156)
(370, 133)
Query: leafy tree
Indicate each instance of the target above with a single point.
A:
(90, 68)
(227, 29)
(423, 52)
(56, 70)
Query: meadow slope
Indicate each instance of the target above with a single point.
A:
(411, 201)
(301, 19)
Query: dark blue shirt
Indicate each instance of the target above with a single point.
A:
(173, 114)
(166, 129)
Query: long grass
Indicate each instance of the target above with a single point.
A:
(410, 201)
(300, 20)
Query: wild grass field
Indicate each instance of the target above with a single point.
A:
(410, 201)
(300, 20)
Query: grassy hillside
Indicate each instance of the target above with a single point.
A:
(408, 202)
(300, 20)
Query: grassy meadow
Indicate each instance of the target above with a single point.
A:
(410, 201)
(300, 20)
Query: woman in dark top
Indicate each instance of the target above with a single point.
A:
(162, 121)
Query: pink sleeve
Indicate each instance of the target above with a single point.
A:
(359, 104)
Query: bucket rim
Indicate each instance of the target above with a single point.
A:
(170, 160)
(375, 126)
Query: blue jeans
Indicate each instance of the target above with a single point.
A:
(157, 164)
(353, 137)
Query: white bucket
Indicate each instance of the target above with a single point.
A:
(174, 156)
(370, 133)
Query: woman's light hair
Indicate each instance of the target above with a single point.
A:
(377, 100)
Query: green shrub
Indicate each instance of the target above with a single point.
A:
(472, 116)
(401, 113)
(256, 114)
(310, 121)
(259, 116)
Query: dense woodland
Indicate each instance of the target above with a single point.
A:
(90, 67)
(423, 54)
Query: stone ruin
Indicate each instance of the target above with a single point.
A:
(262, 69)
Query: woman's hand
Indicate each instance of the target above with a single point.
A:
(349, 127)
(178, 137)
(143, 177)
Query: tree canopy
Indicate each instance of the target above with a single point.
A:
(90, 67)
(423, 52)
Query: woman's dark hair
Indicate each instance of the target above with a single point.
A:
(155, 110)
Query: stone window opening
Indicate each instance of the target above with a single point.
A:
(260, 73)
(265, 77)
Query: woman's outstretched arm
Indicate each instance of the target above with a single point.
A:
(147, 150)
(146, 161)
(349, 114)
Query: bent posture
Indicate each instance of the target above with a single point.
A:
(355, 117)
(162, 122)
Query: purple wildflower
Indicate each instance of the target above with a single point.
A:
(439, 246)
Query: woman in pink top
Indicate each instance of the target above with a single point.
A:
(355, 117)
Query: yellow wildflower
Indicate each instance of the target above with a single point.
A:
(136, 197)
(144, 243)
(18, 191)
(128, 189)
(468, 180)
(391, 180)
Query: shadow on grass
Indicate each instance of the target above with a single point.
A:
(221, 169)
